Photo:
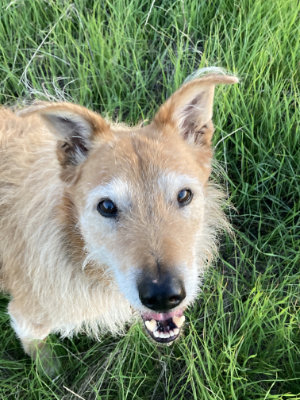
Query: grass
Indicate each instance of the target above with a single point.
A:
(123, 58)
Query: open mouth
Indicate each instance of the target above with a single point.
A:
(164, 327)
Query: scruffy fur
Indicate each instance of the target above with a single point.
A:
(66, 267)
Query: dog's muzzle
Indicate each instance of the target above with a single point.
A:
(162, 296)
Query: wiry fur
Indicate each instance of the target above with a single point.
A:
(61, 278)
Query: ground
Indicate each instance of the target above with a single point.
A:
(123, 58)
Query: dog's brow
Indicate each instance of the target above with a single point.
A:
(170, 182)
(117, 189)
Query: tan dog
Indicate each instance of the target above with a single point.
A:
(100, 223)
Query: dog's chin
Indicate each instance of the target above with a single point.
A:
(164, 328)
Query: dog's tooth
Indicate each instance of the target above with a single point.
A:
(156, 334)
(176, 331)
(179, 321)
(172, 333)
(151, 325)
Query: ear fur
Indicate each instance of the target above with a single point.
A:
(75, 127)
(190, 108)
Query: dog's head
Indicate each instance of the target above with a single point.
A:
(141, 198)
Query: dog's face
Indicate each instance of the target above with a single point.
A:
(140, 198)
(141, 204)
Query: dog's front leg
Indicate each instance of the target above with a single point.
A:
(33, 337)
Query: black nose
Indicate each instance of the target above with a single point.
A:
(161, 294)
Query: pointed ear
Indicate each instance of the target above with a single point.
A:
(75, 127)
(190, 108)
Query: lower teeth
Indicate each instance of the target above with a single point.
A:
(165, 335)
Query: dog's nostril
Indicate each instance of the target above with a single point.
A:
(149, 302)
(163, 294)
(174, 300)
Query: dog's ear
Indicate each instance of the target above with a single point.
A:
(190, 109)
(76, 128)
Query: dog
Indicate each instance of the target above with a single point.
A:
(101, 223)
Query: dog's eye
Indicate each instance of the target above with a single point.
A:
(184, 197)
(107, 208)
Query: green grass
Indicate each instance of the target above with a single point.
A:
(123, 58)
